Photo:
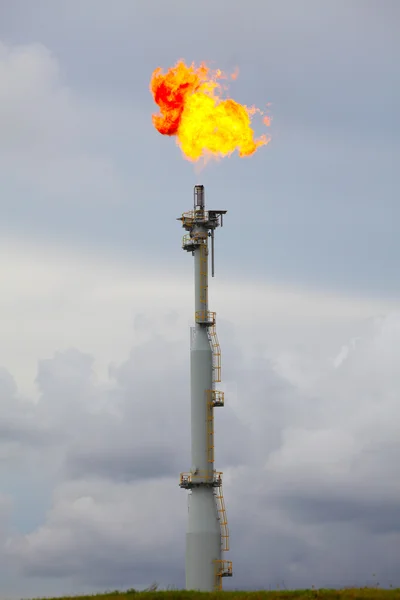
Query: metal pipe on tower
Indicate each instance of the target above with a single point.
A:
(207, 531)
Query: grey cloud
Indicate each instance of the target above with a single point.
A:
(18, 422)
(8, 387)
(133, 429)
(286, 58)
(98, 538)
(322, 190)
(133, 464)
(302, 466)
(260, 400)
(299, 495)
(375, 515)
(68, 371)
(152, 437)
(68, 392)
(6, 506)
(23, 431)
(149, 436)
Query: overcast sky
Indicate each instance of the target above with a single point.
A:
(96, 295)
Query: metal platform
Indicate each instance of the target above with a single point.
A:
(192, 480)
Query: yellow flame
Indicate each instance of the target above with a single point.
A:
(192, 108)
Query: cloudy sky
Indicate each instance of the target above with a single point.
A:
(96, 295)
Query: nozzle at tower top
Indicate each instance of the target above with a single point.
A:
(199, 200)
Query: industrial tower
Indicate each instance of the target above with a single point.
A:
(207, 534)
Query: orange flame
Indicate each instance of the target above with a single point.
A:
(192, 109)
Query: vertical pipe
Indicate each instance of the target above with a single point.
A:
(200, 276)
(203, 537)
(200, 373)
(199, 202)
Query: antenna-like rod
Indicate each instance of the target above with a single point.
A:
(212, 252)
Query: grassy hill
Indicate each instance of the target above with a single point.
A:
(366, 593)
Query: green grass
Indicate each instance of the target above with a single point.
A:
(365, 593)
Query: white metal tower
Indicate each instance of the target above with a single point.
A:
(207, 532)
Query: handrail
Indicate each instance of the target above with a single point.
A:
(196, 215)
(216, 397)
(223, 568)
(200, 476)
(205, 316)
(189, 240)
(223, 520)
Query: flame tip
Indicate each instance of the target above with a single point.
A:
(192, 109)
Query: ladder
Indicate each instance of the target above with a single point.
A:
(222, 519)
(223, 568)
(215, 398)
(216, 350)
(210, 431)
